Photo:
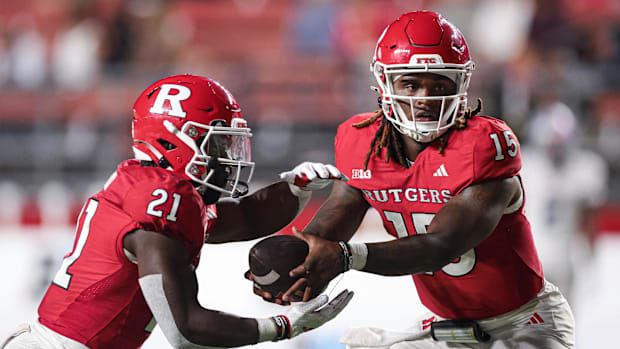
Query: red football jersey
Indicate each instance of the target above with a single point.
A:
(501, 273)
(95, 297)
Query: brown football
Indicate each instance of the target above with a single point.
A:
(272, 258)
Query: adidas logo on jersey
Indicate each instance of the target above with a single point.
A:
(441, 172)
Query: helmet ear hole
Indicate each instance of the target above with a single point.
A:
(167, 145)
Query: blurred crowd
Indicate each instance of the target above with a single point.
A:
(71, 69)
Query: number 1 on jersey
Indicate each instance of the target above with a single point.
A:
(63, 277)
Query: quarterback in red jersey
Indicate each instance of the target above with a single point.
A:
(139, 239)
(446, 184)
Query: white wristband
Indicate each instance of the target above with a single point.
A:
(359, 254)
(267, 330)
(302, 195)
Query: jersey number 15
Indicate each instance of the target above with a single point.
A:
(460, 267)
(511, 144)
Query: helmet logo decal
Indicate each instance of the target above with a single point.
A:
(164, 95)
(426, 59)
(460, 49)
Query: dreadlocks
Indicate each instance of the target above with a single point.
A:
(387, 136)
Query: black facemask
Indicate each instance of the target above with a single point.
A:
(218, 179)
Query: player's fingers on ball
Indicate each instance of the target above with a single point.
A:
(298, 295)
(298, 271)
(310, 239)
(321, 170)
(298, 285)
(301, 235)
(268, 298)
(310, 263)
(277, 301)
(248, 275)
(307, 293)
(259, 291)
(280, 301)
(263, 294)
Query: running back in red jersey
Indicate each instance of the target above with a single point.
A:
(95, 298)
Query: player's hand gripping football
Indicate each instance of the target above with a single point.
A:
(267, 296)
(310, 176)
(306, 316)
(323, 263)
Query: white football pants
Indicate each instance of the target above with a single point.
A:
(545, 322)
(37, 336)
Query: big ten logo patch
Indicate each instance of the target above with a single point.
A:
(361, 174)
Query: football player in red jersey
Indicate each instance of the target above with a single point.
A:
(446, 184)
(139, 239)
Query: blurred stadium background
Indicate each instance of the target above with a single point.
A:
(71, 69)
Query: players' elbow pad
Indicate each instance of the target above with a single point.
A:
(153, 290)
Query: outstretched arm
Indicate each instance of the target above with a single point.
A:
(273, 207)
(340, 215)
(168, 283)
(263, 213)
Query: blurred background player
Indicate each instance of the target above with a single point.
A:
(139, 239)
(446, 183)
(564, 185)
